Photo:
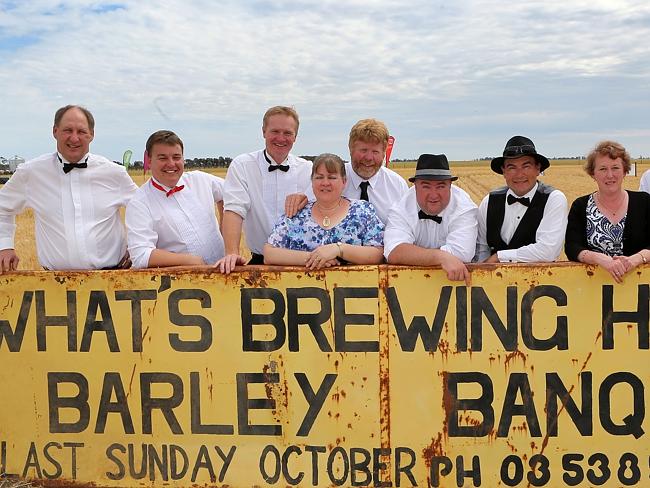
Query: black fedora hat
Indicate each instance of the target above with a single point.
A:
(432, 167)
(516, 147)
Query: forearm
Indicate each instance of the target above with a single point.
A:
(593, 257)
(411, 254)
(641, 257)
(160, 258)
(361, 254)
(284, 257)
(231, 231)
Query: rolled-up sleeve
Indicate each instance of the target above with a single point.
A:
(398, 231)
(13, 198)
(141, 236)
(236, 195)
(217, 187)
(462, 234)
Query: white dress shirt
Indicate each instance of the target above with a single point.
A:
(385, 189)
(77, 215)
(549, 236)
(645, 182)
(183, 222)
(455, 234)
(258, 195)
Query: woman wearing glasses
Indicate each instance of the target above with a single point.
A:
(610, 227)
(329, 231)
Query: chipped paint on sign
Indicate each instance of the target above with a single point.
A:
(364, 376)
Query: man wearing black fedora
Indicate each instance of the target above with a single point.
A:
(525, 220)
(434, 223)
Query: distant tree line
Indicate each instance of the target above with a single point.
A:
(220, 162)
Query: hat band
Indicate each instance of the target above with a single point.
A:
(432, 172)
(524, 150)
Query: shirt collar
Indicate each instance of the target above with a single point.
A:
(265, 155)
(356, 179)
(62, 160)
(167, 188)
(530, 194)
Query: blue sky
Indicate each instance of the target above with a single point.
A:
(456, 77)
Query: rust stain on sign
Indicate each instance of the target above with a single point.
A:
(72, 346)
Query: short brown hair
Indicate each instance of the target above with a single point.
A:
(163, 137)
(281, 110)
(58, 115)
(369, 130)
(332, 163)
(612, 150)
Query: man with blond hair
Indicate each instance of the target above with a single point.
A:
(257, 185)
(368, 179)
(76, 197)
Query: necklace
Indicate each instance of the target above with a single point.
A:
(326, 219)
(616, 209)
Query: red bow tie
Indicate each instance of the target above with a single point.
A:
(170, 192)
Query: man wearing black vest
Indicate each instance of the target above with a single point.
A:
(524, 221)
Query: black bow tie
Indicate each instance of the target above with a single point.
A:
(426, 216)
(273, 167)
(67, 167)
(525, 201)
(281, 167)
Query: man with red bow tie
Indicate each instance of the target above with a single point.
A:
(171, 219)
(76, 197)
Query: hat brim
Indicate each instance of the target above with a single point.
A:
(497, 163)
(433, 177)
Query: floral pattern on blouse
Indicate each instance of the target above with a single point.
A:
(602, 235)
(360, 227)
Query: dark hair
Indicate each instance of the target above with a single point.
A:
(163, 137)
(61, 112)
(332, 163)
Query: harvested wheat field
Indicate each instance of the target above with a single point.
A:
(475, 177)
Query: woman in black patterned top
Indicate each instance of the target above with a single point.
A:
(610, 227)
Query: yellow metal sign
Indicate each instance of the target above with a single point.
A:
(360, 376)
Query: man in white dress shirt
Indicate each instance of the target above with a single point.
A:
(257, 185)
(434, 223)
(171, 219)
(76, 198)
(368, 179)
(524, 221)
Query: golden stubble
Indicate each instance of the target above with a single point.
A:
(476, 178)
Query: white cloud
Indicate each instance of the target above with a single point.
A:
(434, 71)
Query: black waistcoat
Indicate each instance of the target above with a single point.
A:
(527, 228)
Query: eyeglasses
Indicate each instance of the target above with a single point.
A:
(512, 151)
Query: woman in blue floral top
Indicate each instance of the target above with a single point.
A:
(329, 231)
